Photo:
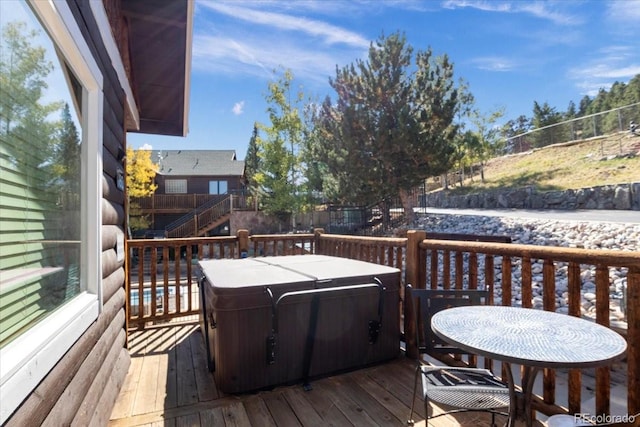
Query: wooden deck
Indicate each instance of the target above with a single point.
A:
(168, 384)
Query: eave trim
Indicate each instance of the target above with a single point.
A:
(100, 14)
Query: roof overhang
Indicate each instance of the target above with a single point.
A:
(159, 40)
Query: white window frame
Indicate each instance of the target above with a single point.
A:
(29, 358)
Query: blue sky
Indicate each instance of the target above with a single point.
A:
(511, 53)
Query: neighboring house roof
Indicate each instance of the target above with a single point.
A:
(197, 162)
(159, 58)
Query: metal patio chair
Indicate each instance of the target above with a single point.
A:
(460, 389)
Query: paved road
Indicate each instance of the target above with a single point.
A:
(626, 217)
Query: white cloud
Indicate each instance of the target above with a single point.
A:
(252, 39)
(146, 147)
(257, 57)
(494, 63)
(538, 9)
(331, 34)
(238, 108)
(624, 11)
(610, 64)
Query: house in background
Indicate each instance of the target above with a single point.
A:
(193, 184)
(79, 75)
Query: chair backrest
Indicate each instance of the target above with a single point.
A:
(431, 301)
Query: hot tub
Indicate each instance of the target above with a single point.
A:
(287, 319)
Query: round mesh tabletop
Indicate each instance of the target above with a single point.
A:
(528, 336)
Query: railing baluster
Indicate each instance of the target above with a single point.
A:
(434, 268)
(633, 340)
(575, 375)
(189, 261)
(473, 271)
(526, 288)
(165, 281)
(603, 375)
(549, 304)
(446, 269)
(489, 274)
(141, 252)
(459, 270)
(507, 292)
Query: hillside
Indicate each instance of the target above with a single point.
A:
(611, 159)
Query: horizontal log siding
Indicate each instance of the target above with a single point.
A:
(53, 388)
(101, 362)
(75, 388)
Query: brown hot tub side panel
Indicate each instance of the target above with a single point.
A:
(244, 320)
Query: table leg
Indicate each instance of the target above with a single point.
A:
(513, 399)
(528, 379)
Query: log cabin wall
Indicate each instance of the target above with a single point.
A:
(82, 387)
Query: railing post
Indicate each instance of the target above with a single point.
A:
(317, 249)
(243, 243)
(414, 263)
(413, 277)
(411, 344)
(633, 340)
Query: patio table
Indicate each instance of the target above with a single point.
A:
(533, 338)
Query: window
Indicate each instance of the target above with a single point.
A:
(175, 186)
(50, 173)
(217, 187)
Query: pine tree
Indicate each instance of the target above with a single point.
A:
(390, 127)
(252, 161)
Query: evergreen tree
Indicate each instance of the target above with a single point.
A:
(389, 128)
(66, 154)
(571, 111)
(252, 162)
(632, 92)
(25, 118)
(544, 115)
(585, 102)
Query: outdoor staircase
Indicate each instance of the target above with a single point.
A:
(198, 222)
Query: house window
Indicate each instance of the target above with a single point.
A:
(51, 109)
(175, 186)
(217, 187)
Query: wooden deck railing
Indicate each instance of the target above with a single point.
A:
(498, 263)
(173, 202)
(165, 273)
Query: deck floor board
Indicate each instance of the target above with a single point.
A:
(169, 384)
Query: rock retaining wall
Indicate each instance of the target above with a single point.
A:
(613, 197)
